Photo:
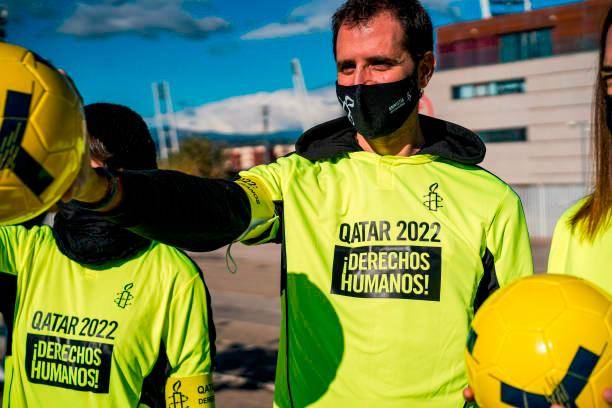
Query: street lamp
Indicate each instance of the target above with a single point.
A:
(584, 127)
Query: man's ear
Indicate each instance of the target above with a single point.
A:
(426, 69)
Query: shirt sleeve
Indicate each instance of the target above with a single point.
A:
(188, 212)
(15, 245)
(263, 186)
(187, 340)
(508, 244)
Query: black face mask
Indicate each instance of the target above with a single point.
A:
(379, 110)
(608, 107)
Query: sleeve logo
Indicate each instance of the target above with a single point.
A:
(178, 399)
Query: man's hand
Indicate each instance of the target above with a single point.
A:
(468, 395)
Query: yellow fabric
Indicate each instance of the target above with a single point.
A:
(195, 391)
(88, 337)
(572, 255)
(383, 260)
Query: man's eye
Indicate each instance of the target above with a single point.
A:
(381, 66)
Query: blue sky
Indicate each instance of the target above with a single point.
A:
(207, 50)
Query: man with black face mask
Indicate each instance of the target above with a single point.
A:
(391, 234)
(105, 317)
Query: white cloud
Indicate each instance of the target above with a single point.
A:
(243, 114)
(316, 16)
(308, 18)
(145, 17)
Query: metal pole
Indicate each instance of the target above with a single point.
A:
(301, 93)
(161, 133)
(174, 144)
(485, 8)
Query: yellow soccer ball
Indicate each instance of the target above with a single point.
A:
(42, 134)
(542, 339)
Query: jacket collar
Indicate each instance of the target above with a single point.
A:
(442, 138)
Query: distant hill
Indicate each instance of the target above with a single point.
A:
(283, 137)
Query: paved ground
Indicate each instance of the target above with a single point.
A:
(247, 314)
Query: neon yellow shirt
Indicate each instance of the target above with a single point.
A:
(571, 255)
(383, 257)
(87, 338)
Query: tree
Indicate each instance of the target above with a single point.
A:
(198, 156)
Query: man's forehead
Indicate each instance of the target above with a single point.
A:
(380, 35)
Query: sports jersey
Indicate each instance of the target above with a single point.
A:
(384, 258)
(87, 337)
(572, 255)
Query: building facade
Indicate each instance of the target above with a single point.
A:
(524, 83)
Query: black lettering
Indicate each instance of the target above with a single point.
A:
(74, 321)
(413, 231)
(345, 233)
(47, 322)
(401, 236)
(36, 320)
(385, 227)
(63, 326)
(437, 227)
(356, 237)
(103, 326)
(56, 319)
(93, 326)
(373, 232)
(115, 325)
(425, 230)
(86, 321)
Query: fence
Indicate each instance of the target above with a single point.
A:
(544, 204)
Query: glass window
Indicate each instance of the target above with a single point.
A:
(503, 135)
(526, 45)
(468, 91)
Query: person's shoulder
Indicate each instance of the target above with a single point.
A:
(485, 180)
(573, 209)
(563, 225)
(36, 234)
(173, 262)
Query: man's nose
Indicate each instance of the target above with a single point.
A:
(362, 76)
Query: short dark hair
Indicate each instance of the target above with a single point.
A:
(119, 137)
(418, 29)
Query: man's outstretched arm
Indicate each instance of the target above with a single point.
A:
(174, 208)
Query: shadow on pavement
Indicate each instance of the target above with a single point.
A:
(244, 367)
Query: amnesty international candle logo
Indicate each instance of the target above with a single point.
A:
(124, 298)
(178, 399)
(67, 363)
(400, 272)
(433, 200)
